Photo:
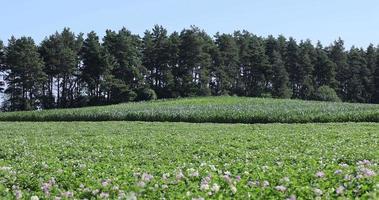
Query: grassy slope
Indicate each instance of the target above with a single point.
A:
(212, 109)
(88, 152)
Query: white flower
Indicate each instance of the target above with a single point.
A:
(215, 188)
(265, 183)
(233, 188)
(317, 191)
(34, 198)
(281, 188)
(131, 196)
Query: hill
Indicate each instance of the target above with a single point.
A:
(223, 109)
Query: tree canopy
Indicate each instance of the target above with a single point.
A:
(73, 70)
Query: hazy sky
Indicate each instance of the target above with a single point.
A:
(356, 21)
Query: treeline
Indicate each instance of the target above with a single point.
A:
(69, 70)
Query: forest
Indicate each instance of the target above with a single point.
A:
(74, 70)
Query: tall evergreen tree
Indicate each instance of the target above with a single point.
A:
(156, 59)
(356, 91)
(338, 55)
(305, 70)
(96, 69)
(325, 69)
(194, 62)
(376, 79)
(280, 80)
(61, 55)
(2, 60)
(125, 47)
(24, 74)
(254, 64)
(370, 56)
(225, 69)
(292, 66)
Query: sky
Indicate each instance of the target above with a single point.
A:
(355, 21)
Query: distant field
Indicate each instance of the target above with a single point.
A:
(212, 109)
(182, 160)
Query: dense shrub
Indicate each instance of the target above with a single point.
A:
(147, 94)
(325, 93)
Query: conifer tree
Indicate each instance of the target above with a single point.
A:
(24, 74)
(280, 80)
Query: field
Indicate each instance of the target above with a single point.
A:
(244, 148)
(212, 109)
(154, 160)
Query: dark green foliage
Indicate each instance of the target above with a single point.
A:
(128, 73)
(2, 61)
(357, 87)
(338, 55)
(225, 69)
(325, 69)
(81, 71)
(254, 64)
(61, 55)
(25, 76)
(157, 60)
(280, 81)
(325, 93)
(194, 62)
(147, 94)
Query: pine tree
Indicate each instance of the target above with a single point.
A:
(225, 69)
(292, 66)
(194, 62)
(280, 80)
(254, 64)
(61, 55)
(325, 69)
(356, 91)
(25, 75)
(376, 79)
(128, 74)
(173, 62)
(338, 55)
(2, 60)
(96, 69)
(156, 59)
(370, 56)
(306, 70)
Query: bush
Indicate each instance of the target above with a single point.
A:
(325, 93)
(132, 96)
(147, 94)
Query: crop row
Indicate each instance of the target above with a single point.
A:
(211, 109)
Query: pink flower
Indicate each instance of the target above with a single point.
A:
(338, 171)
(253, 183)
(367, 172)
(320, 174)
(340, 189)
(146, 177)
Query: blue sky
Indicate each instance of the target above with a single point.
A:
(357, 22)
